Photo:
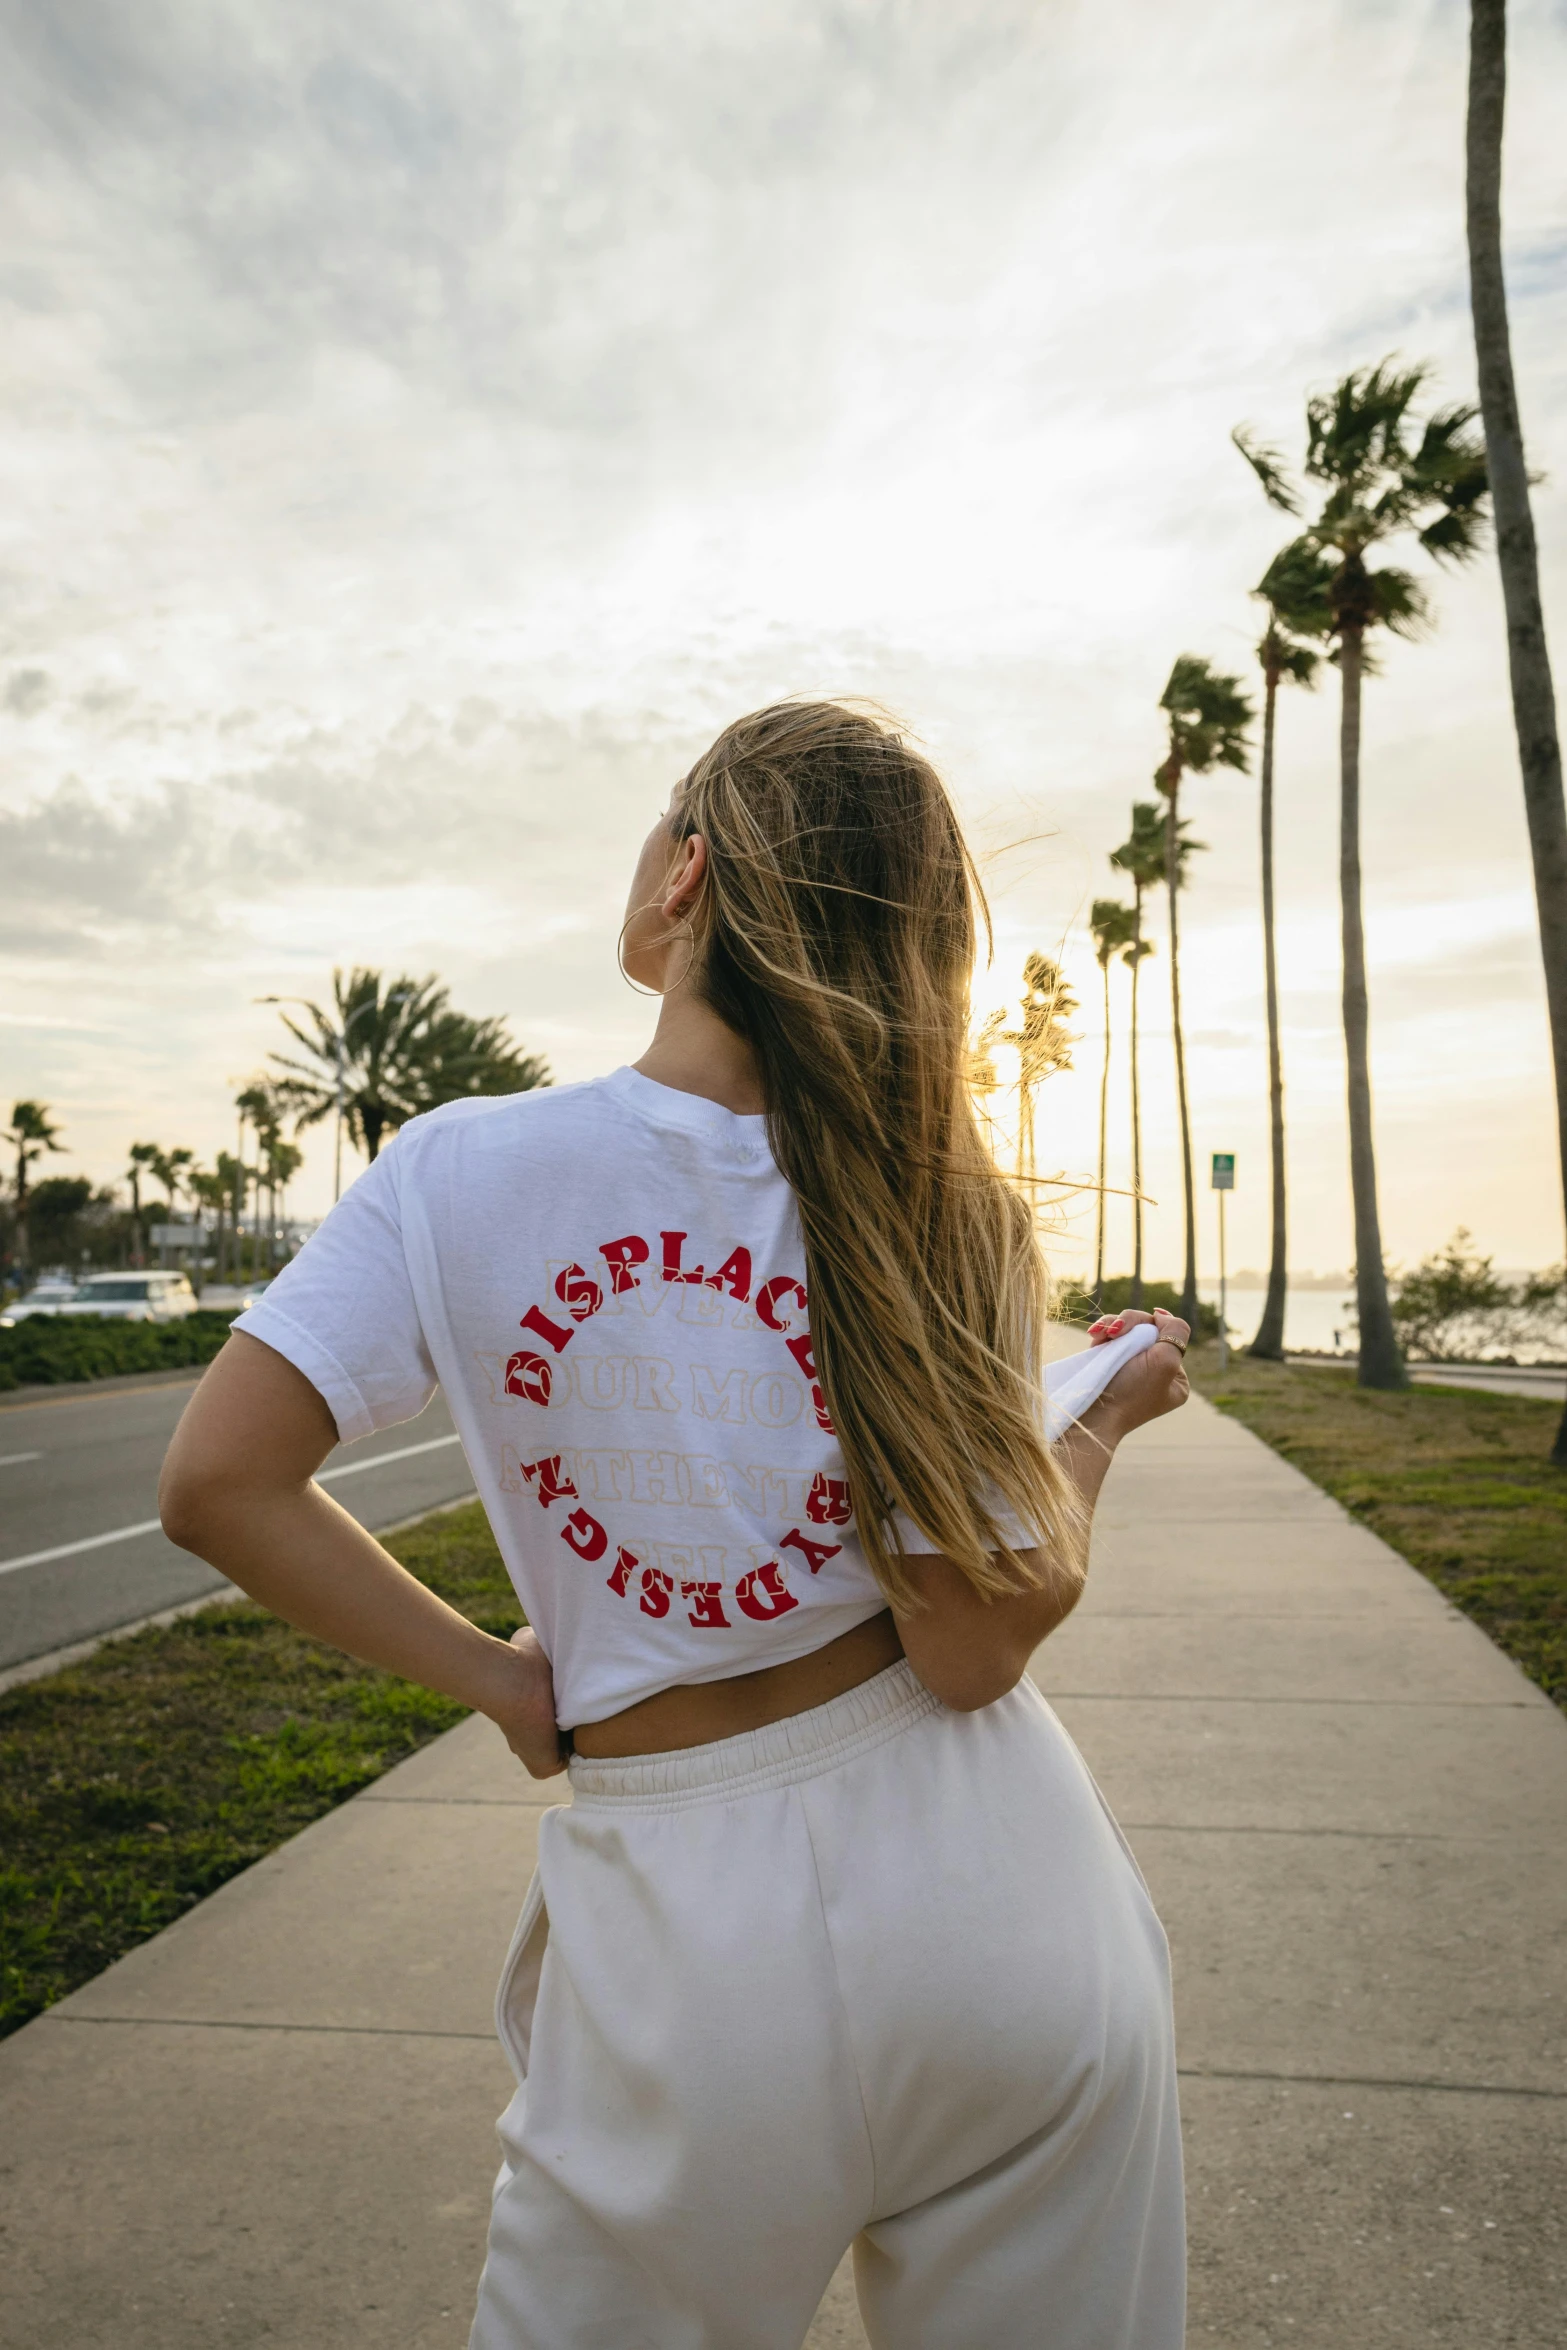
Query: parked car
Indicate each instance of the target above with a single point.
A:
(133, 1297)
(46, 1297)
(225, 1296)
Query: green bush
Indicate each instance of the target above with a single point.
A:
(48, 1352)
(1074, 1302)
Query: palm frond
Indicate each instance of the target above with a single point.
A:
(1398, 601)
(1113, 925)
(1268, 465)
(1382, 478)
(1298, 588)
(1209, 714)
(1143, 855)
(306, 1097)
(1450, 467)
(1297, 662)
(456, 1057)
(1356, 430)
(1450, 450)
(1455, 536)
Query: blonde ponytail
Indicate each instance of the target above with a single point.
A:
(836, 933)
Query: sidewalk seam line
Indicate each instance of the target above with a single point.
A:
(468, 1802)
(207, 2023)
(1364, 1835)
(1470, 1705)
(1201, 2072)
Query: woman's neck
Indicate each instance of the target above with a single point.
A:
(693, 1051)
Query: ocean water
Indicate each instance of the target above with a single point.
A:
(1316, 1321)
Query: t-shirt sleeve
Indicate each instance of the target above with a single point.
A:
(1079, 1380)
(918, 1544)
(1071, 1385)
(343, 1311)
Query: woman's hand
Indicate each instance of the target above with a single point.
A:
(969, 1651)
(523, 1706)
(1153, 1382)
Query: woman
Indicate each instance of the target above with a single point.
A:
(837, 1941)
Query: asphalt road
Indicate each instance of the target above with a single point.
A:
(80, 1550)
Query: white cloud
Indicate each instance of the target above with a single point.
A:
(425, 424)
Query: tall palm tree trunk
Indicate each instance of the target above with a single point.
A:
(1269, 1341)
(1529, 661)
(1172, 882)
(1381, 1364)
(1137, 1115)
(1104, 1129)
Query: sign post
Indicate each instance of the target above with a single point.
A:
(1223, 1181)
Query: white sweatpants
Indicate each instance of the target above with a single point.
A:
(881, 1973)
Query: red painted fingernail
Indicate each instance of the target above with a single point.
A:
(1117, 1326)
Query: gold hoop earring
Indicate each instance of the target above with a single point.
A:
(635, 985)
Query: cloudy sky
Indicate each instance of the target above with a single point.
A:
(422, 424)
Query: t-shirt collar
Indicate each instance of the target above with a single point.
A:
(741, 1134)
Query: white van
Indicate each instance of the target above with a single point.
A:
(134, 1297)
(46, 1298)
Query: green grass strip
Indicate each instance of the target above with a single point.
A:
(1456, 1480)
(137, 1782)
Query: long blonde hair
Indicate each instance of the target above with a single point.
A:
(836, 933)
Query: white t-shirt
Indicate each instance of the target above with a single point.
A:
(608, 1281)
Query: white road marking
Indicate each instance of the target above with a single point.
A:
(65, 1550)
(404, 1452)
(14, 1460)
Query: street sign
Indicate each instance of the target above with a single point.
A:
(176, 1235)
(1223, 1181)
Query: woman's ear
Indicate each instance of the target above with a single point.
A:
(683, 886)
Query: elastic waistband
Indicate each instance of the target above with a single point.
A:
(778, 1755)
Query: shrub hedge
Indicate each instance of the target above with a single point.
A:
(48, 1352)
(1074, 1302)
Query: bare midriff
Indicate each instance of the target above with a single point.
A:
(701, 1712)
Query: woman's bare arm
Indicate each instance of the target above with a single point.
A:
(968, 1650)
(237, 1488)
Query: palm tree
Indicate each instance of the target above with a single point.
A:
(1114, 928)
(1208, 715)
(1529, 660)
(379, 1058)
(283, 1162)
(169, 1168)
(31, 1132)
(1043, 1045)
(357, 1052)
(1142, 861)
(141, 1156)
(232, 1178)
(207, 1189)
(1294, 588)
(1380, 477)
(260, 1105)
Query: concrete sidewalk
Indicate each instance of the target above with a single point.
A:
(274, 2123)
